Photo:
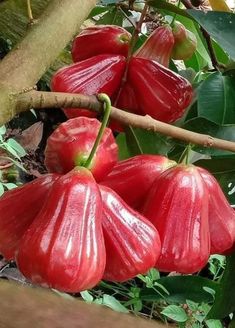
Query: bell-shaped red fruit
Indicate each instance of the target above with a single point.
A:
(158, 46)
(71, 143)
(102, 39)
(185, 42)
(99, 74)
(127, 99)
(132, 178)
(132, 243)
(18, 209)
(64, 246)
(177, 205)
(160, 93)
(221, 216)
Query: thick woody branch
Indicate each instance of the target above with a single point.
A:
(28, 61)
(37, 99)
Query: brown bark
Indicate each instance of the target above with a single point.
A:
(36, 99)
(23, 67)
(25, 307)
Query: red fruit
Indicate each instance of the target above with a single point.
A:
(132, 178)
(100, 74)
(127, 100)
(185, 42)
(18, 209)
(161, 93)
(71, 143)
(132, 243)
(64, 247)
(177, 205)
(102, 39)
(158, 46)
(221, 216)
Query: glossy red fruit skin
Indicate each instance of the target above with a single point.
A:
(64, 246)
(99, 74)
(185, 42)
(18, 209)
(161, 93)
(158, 46)
(132, 243)
(71, 143)
(177, 205)
(102, 39)
(132, 178)
(127, 100)
(221, 216)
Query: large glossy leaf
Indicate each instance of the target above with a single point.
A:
(147, 142)
(205, 126)
(123, 152)
(224, 300)
(182, 288)
(216, 99)
(220, 25)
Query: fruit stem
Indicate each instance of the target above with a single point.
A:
(174, 17)
(133, 41)
(184, 158)
(107, 110)
(137, 30)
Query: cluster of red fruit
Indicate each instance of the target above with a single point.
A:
(73, 227)
(141, 83)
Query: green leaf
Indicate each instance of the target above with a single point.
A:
(10, 185)
(202, 125)
(133, 141)
(220, 25)
(2, 129)
(176, 313)
(86, 296)
(1, 189)
(123, 152)
(17, 147)
(224, 299)
(192, 305)
(148, 141)
(221, 55)
(113, 303)
(112, 17)
(181, 288)
(97, 11)
(213, 323)
(216, 98)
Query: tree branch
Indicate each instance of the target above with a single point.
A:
(26, 63)
(38, 99)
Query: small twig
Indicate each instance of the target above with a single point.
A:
(56, 99)
(30, 13)
(134, 38)
(188, 4)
